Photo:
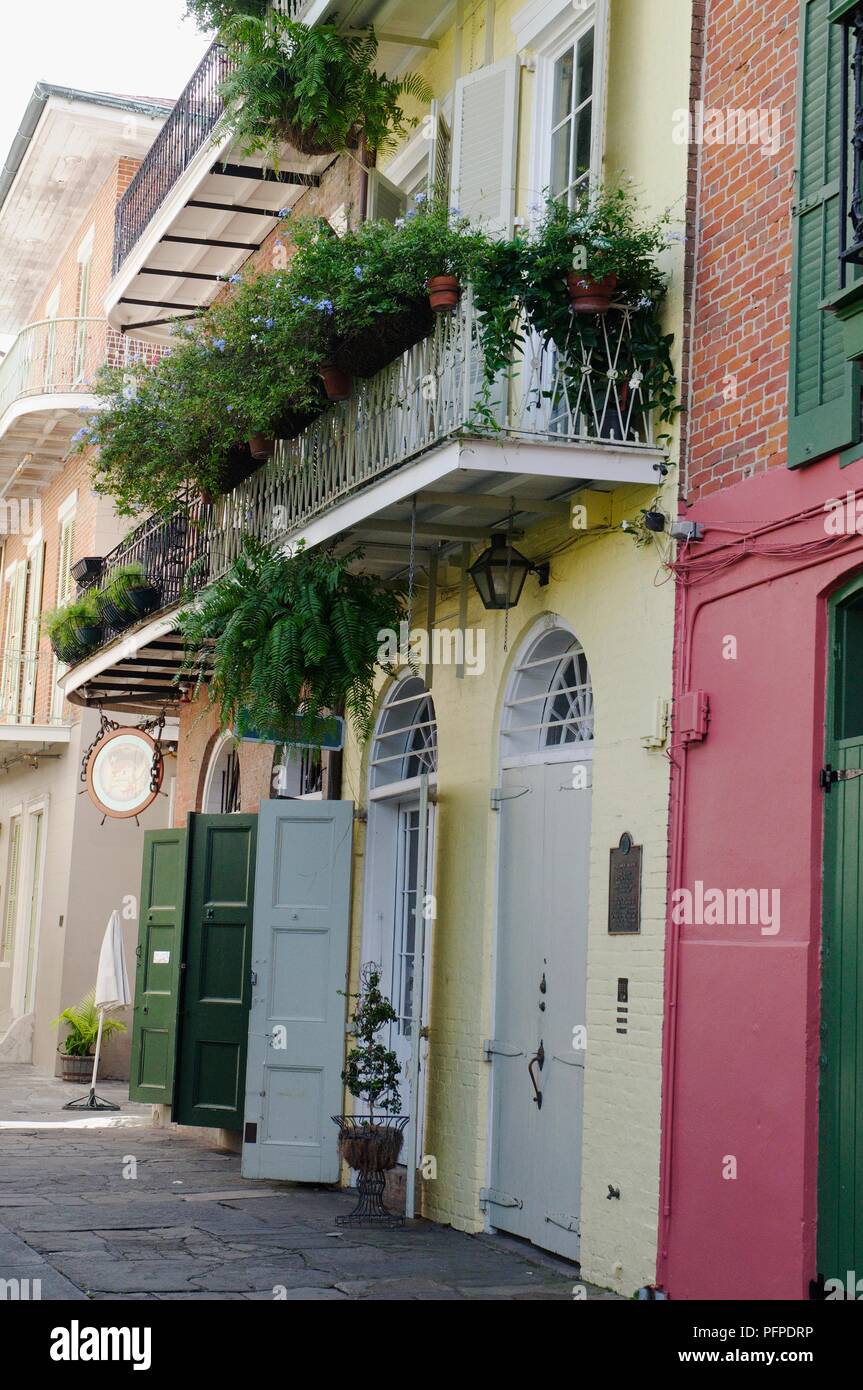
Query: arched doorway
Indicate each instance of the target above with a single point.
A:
(537, 1052)
(404, 747)
(222, 790)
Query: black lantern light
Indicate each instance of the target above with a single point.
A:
(500, 572)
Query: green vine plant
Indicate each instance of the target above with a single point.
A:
(313, 88)
(282, 636)
(372, 1070)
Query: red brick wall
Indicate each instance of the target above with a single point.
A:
(737, 419)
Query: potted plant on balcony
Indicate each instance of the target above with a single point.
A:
(440, 248)
(126, 595)
(280, 634)
(313, 88)
(371, 1144)
(79, 1044)
(74, 629)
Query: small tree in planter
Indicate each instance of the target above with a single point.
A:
(371, 1143)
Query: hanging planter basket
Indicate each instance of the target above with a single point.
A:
(309, 142)
(588, 296)
(367, 352)
(86, 636)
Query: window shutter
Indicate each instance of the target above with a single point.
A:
(824, 395)
(439, 155)
(31, 639)
(11, 911)
(485, 124)
(386, 201)
(67, 547)
(13, 642)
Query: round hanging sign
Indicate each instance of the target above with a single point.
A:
(124, 773)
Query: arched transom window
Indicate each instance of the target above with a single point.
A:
(405, 744)
(549, 706)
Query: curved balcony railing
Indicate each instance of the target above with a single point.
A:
(61, 356)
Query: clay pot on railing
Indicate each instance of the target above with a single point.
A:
(337, 383)
(587, 296)
(444, 291)
(261, 448)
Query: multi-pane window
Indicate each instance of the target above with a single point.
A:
(65, 585)
(10, 911)
(572, 119)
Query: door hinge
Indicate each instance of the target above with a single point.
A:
(491, 1197)
(499, 795)
(828, 775)
(491, 1048)
(564, 1221)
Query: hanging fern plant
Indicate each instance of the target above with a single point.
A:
(286, 634)
(215, 14)
(313, 88)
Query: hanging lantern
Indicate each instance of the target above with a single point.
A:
(500, 572)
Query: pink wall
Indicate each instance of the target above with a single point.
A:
(741, 1064)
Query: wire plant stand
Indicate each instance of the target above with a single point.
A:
(371, 1148)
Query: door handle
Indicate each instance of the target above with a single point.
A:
(537, 1058)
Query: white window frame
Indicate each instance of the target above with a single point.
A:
(20, 946)
(549, 43)
(210, 788)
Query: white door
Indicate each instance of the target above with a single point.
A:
(299, 961)
(537, 1052)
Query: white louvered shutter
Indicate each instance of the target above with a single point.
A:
(13, 642)
(439, 157)
(485, 126)
(10, 913)
(386, 201)
(31, 635)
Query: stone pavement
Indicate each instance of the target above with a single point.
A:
(134, 1212)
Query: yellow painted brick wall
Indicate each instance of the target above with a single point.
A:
(621, 608)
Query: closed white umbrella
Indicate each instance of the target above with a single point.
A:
(112, 992)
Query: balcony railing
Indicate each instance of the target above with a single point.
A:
(586, 392)
(59, 356)
(193, 117)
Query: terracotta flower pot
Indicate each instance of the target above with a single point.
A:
(337, 382)
(444, 291)
(590, 296)
(260, 447)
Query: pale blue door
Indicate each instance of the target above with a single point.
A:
(299, 962)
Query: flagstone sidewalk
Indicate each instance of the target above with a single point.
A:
(133, 1212)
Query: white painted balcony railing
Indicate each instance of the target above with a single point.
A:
(587, 392)
(62, 356)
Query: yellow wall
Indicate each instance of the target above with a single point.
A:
(612, 596)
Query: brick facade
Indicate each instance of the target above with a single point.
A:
(737, 414)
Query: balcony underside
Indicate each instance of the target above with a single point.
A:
(26, 743)
(213, 218)
(464, 488)
(35, 438)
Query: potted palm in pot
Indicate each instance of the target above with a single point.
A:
(79, 1045)
(371, 1144)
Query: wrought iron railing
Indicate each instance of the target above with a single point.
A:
(63, 355)
(173, 548)
(195, 113)
(588, 391)
(851, 147)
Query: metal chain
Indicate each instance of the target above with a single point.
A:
(106, 726)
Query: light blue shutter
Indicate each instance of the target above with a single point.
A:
(299, 961)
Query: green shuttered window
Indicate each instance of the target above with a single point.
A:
(824, 403)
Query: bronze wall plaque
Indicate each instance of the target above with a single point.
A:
(624, 888)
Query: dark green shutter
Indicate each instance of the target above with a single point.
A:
(157, 981)
(824, 410)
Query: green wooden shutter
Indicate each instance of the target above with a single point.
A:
(157, 979)
(824, 394)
